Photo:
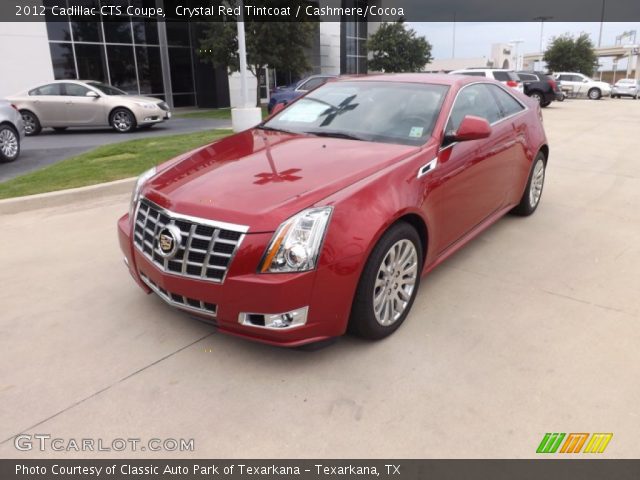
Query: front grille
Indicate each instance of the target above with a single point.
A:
(180, 301)
(205, 251)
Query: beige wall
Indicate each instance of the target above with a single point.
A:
(24, 56)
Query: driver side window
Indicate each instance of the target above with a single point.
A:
(473, 100)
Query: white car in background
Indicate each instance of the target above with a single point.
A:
(579, 85)
(626, 87)
(506, 77)
(11, 132)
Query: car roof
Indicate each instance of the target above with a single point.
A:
(425, 78)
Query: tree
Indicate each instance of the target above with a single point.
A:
(396, 48)
(279, 45)
(569, 54)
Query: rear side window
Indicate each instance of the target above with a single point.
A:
(505, 76)
(508, 105)
(528, 77)
(75, 90)
(46, 90)
(473, 74)
(474, 100)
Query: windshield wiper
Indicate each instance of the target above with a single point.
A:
(348, 136)
(274, 129)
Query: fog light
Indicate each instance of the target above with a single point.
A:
(276, 321)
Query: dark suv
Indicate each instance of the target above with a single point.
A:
(541, 87)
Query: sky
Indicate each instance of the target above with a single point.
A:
(474, 39)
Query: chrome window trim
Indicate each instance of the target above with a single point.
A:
(455, 99)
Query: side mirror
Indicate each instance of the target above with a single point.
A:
(584, 80)
(471, 128)
(92, 94)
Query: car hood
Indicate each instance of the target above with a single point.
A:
(140, 98)
(259, 179)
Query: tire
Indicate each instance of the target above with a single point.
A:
(533, 191)
(59, 129)
(537, 96)
(595, 94)
(9, 144)
(374, 314)
(123, 120)
(545, 104)
(31, 123)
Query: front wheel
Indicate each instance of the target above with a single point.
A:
(595, 94)
(123, 121)
(533, 191)
(388, 284)
(9, 144)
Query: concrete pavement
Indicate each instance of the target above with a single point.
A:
(50, 147)
(531, 328)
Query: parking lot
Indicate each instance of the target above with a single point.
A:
(51, 147)
(532, 328)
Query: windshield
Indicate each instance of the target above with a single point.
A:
(106, 89)
(386, 112)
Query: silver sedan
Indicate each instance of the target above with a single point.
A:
(74, 103)
(11, 132)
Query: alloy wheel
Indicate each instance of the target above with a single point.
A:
(122, 121)
(395, 282)
(29, 123)
(537, 182)
(8, 143)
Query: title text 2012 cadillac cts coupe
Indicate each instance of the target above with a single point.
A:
(323, 218)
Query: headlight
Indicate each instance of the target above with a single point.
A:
(135, 195)
(296, 245)
(148, 106)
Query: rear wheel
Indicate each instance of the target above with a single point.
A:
(122, 120)
(537, 96)
(595, 94)
(388, 284)
(533, 191)
(9, 144)
(31, 123)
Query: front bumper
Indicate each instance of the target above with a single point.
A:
(327, 292)
(148, 116)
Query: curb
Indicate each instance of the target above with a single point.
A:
(65, 197)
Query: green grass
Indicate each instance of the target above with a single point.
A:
(107, 163)
(218, 114)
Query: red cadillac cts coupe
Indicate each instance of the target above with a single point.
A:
(323, 218)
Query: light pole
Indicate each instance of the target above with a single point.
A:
(453, 45)
(601, 23)
(244, 116)
(516, 43)
(542, 19)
